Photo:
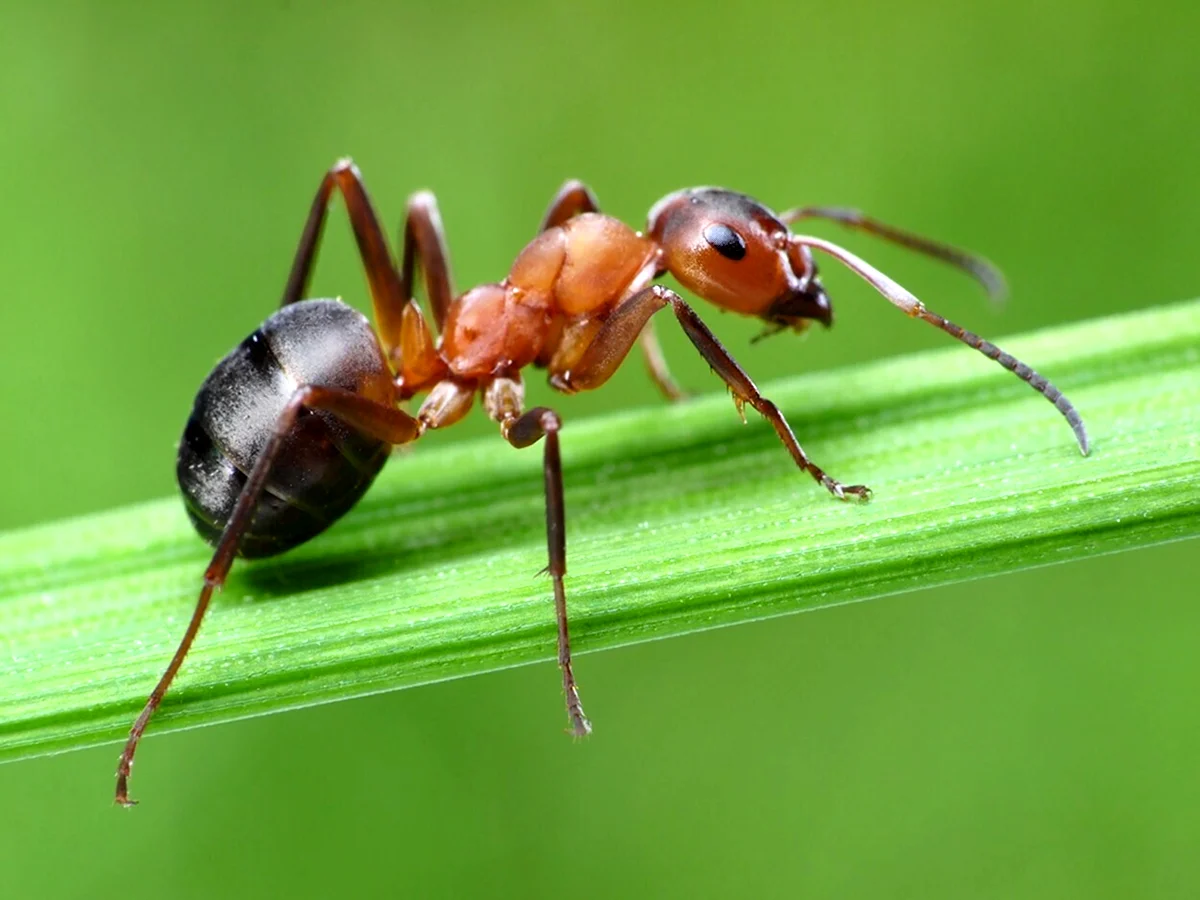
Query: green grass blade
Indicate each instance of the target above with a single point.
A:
(679, 519)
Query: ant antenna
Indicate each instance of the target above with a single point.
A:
(977, 267)
(902, 298)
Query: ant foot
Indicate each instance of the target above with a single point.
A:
(859, 492)
(580, 726)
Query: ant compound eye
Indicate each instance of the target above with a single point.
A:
(725, 241)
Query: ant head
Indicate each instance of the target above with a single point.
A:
(736, 253)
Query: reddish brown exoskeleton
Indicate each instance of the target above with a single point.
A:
(290, 428)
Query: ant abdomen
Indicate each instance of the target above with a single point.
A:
(324, 465)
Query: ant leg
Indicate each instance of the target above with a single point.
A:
(382, 422)
(575, 197)
(615, 338)
(503, 398)
(656, 364)
(391, 291)
(416, 358)
(447, 402)
(387, 296)
(425, 244)
(976, 266)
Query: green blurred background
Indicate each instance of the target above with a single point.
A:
(1029, 736)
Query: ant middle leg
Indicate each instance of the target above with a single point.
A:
(615, 338)
(656, 365)
(386, 423)
(503, 398)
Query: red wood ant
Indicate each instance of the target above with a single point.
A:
(291, 427)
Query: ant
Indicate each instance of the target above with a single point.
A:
(290, 429)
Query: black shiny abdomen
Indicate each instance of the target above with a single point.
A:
(324, 466)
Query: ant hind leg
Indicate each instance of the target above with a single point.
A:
(375, 419)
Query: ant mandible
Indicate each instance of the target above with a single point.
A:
(290, 428)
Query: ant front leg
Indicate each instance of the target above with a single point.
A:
(614, 339)
(384, 423)
(573, 198)
(503, 399)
